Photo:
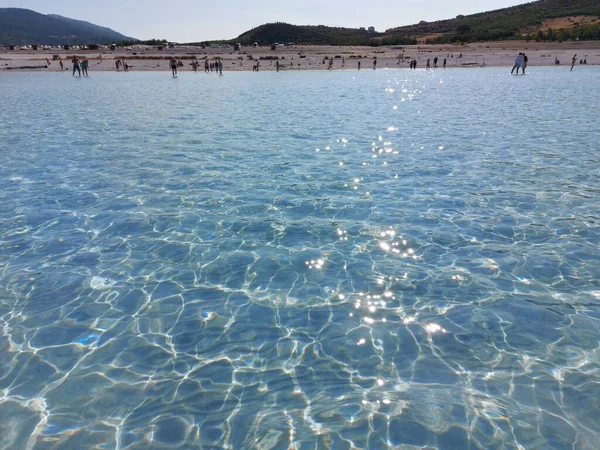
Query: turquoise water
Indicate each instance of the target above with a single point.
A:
(386, 259)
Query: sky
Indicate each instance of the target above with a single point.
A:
(201, 20)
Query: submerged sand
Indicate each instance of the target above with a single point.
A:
(301, 57)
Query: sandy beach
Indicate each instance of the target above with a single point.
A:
(298, 57)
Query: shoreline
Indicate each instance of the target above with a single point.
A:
(143, 58)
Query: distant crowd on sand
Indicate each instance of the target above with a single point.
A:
(413, 62)
(217, 66)
(80, 66)
(412, 65)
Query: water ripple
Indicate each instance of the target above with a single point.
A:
(331, 260)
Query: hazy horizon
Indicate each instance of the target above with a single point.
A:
(189, 21)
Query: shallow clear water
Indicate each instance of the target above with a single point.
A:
(307, 260)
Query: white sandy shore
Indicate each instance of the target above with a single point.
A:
(311, 57)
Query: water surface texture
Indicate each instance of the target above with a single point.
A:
(348, 260)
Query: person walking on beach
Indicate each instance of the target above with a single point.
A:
(374, 64)
(75, 62)
(573, 61)
(518, 63)
(173, 64)
(525, 59)
(435, 60)
(359, 65)
(220, 64)
(84, 67)
(206, 66)
(61, 65)
(444, 63)
(428, 66)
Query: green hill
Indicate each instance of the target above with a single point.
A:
(540, 20)
(515, 22)
(23, 26)
(315, 35)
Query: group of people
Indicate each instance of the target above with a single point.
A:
(520, 63)
(119, 63)
(81, 67)
(428, 64)
(217, 66)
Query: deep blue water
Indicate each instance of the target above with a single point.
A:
(314, 260)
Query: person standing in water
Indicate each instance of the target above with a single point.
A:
(518, 63)
(359, 65)
(444, 63)
(374, 64)
(84, 67)
(75, 62)
(525, 59)
(573, 61)
(173, 64)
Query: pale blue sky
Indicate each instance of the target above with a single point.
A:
(195, 20)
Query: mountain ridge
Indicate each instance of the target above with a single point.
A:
(19, 26)
(525, 21)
